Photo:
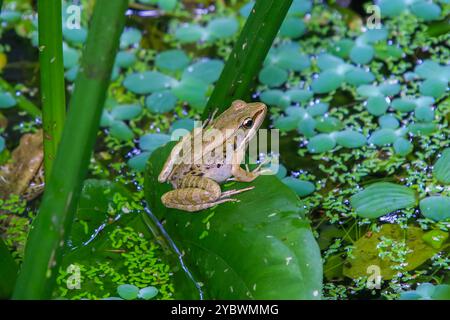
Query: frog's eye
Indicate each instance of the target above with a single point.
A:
(248, 123)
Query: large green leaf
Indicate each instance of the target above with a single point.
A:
(261, 247)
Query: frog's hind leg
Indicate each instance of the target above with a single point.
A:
(235, 191)
(193, 194)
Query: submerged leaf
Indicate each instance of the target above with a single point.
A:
(441, 169)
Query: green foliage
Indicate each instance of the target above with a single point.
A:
(232, 249)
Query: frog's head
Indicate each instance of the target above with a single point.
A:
(241, 119)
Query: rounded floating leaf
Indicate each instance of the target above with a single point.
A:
(172, 60)
(161, 102)
(186, 124)
(403, 146)
(383, 137)
(275, 97)
(435, 208)
(281, 172)
(422, 128)
(2, 143)
(75, 36)
(404, 104)
(426, 10)
(382, 198)
(125, 59)
(300, 187)
(192, 91)
(286, 123)
(130, 37)
(70, 57)
(327, 61)
(321, 143)
(126, 112)
(147, 82)
(189, 33)
(128, 291)
(327, 81)
(7, 100)
(206, 70)
(299, 7)
(366, 90)
(435, 238)
(299, 95)
(429, 69)
(350, 139)
(221, 28)
(317, 109)
(374, 35)
(148, 293)
(121, 131)
(297, 112)
(167, 5)
(290, 58)
(71, 74)
(138, 162)
(359, 76)
(391, 8)
(273, 76)
(377, 105)
(389, 89)
(424, 113)
(292, 27)
(307, 127)
(152, 141)
(10, 16)
(329, 124)
(441, 169)
(433, 87)
(362, 54)
(342, 48)
(388, 121)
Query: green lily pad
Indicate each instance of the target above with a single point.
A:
(172, 60)
(128, 291)
(2, 143)
(126, 112)
(426, 10)
(292, 27)
(130, 37)
(321, 143)
(441, 169)
(148, 82)
(286, 123)
(206, 70)
(381, 198)
(433, 87)
(307, 127)
(362, 54)
(70, 57)
(275, 97)
(366, 252)
(424, 113)
(301, 187)
(75, 36)
(327, 81)
(192, 91)
(406, 104)
(7, 100)
(221, 28)
(121, 131)
(436, 207)
(327, 124)
(152, 141)
(239, 250)
(148, 293)
(403, 146)
(273, 76)
(388, 121)
(187, 33)
(161, 102)
(435, 238)
(350, 139)
(138, 162)
(342, 48)
(377, 105)
(317, 109)
(422, 128)
(391, 8)
(125, 59)
(383, 137)
(358, 76)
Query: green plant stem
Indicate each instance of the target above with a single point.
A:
(22, 102)
(53, 222)
(52, 78)
(249, 52)
(8, 271)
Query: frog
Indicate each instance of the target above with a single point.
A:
(23, 175)
(196, 173)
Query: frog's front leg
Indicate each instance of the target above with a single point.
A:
(194, 194)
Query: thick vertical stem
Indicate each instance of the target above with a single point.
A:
(52, 77)
(53, 222)
(8, 271)
(248, 54)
